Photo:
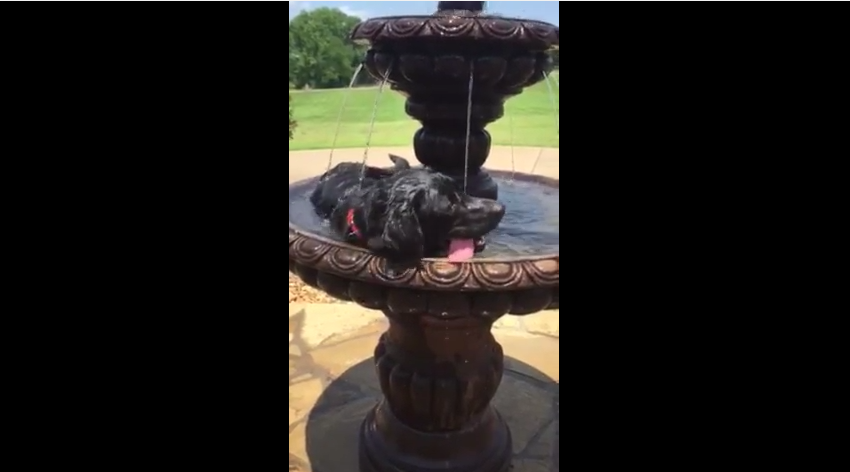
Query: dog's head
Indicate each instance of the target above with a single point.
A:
(426, 215)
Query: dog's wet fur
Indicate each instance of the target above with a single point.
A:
(402, 213)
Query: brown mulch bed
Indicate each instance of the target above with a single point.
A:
(299, 292)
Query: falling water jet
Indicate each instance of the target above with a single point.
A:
(537, 160)
(555, 106)
(513, 161)
(372, 122)
(341, 110)
(468, 126)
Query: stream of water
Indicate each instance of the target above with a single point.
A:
(372, 121)
(557, 109)
(341, 110)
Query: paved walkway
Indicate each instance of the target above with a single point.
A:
(332, 384)
(304, 164)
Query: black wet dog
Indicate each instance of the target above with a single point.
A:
(404, 213)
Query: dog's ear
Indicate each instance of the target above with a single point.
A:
(400, 162)
(402, 232)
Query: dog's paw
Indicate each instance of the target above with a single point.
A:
(375, 244)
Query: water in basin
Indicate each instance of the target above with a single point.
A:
(530, 227)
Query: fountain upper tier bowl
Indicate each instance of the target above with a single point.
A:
(521, 261)
(438, 53)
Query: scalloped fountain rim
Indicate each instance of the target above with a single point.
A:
(514, 272)
(493, 28)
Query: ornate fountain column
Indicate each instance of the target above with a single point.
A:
(441, 143)
(438, 364)
(438, 376)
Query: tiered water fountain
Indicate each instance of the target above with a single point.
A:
(438, 364)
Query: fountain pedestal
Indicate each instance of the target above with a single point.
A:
(438, 364)
(438, 376)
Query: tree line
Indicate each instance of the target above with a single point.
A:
(320, 53)
(322, 56)
(291, 122)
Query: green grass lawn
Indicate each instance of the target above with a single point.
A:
(529, 119)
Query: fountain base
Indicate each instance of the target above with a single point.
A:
(438, 375)
(387, 445)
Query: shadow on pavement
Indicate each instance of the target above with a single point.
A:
(528, 399)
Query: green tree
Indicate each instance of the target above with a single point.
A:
(291, 121)
(320, 53)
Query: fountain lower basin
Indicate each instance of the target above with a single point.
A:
(517, 274)
(530, 226)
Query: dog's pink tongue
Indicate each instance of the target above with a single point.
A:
(461, 249)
